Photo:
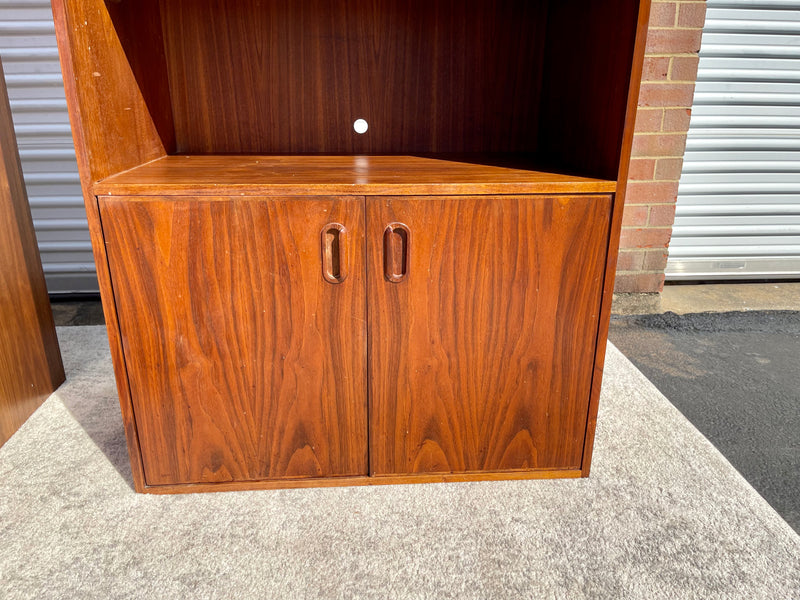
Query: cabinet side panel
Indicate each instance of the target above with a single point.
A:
(481, 357)
(587, 72)
(83, 98)
(616, 226)
(244, 363)
(111, 122)
(30, 361)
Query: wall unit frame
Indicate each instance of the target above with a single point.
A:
(294, 303)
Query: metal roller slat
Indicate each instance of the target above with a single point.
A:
(746, 155)
(763, 4)
(742, 188)
(25, 28)
(747, 18)
(727, 38)
(729, 231)
(65, 246)
(751, 121)
(752, 143)
(715, 210)
(774, 87)
(739, 166)
(741, 74)
(743, 246)
(725, 180)
(736, 110)
(758, 223)
(733, 200)
(745, 63)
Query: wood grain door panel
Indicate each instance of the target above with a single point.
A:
(481, 356)
(244, 362)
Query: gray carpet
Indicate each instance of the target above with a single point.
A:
(663, 515)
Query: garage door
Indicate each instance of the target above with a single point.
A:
(36, 91)
(738, 211)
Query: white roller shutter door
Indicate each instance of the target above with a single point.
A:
(36, 91)
(738, 210)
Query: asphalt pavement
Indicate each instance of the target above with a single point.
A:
(736, 377)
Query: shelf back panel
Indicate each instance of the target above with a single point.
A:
(281, 76)
(587, 74)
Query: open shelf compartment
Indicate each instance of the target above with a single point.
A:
(163, 79)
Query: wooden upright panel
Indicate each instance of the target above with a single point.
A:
(244, 362)
(481, 354)
(112, 124)
(30, 362)
(616, 225)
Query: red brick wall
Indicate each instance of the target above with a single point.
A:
(665, 101)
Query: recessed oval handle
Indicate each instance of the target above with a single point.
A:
(396, 244)
(333, 241)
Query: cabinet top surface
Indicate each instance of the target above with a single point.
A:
(357, 174)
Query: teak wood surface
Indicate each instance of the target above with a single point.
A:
(480, 356)
(30, 361)
(244, 363)
(291, 77)
(112, 124)
(550, 85)
(84, 93)
(361, 174)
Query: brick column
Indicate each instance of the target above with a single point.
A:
(665, 102)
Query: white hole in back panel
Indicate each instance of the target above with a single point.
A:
(360, 126)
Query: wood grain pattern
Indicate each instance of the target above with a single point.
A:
(30, 361)
(280, 76)
(373, 175)
(140, 33)
(243, 362)
(481, 358)
(111, 121)
(587, 74)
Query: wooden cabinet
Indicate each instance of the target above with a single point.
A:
(480, 356)
(244, 362)
(294, 300)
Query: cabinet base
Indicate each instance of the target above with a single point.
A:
(273, 484)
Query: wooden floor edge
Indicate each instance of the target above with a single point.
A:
(276, 484)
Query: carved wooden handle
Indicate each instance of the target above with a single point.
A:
(396, 244)
(332, 241)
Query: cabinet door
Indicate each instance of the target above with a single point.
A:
(244, 361)
(483, 316)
